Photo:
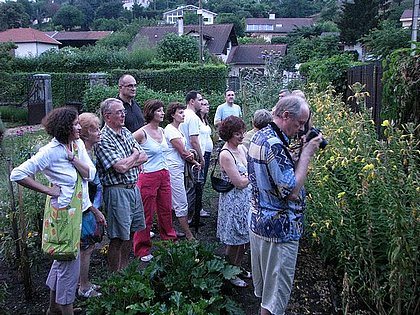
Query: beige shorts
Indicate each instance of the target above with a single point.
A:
(273, 271)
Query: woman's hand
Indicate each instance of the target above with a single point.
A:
(100, 218)
(54, 191)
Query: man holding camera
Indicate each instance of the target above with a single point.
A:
(278, 202)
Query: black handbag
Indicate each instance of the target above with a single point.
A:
(219, 184)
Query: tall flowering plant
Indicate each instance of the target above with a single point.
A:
(364, 204)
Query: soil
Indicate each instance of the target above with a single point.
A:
(315, 291)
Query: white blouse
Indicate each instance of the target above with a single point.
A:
(52, 161)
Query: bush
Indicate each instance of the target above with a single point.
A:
(14, 114)
(363, 205)
(328, 71)
(401, 87)
(183, 278)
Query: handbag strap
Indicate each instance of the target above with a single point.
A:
(217, 160)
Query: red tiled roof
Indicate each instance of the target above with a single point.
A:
(26, 35)
(218, 35)
(87, 35)
(253, 54)
(281, 25)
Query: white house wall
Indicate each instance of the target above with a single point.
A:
(32, 49)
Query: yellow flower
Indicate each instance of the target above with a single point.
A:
(314, 234)
(385, 123)
(29, 234)
(341, 195)
(368, 167)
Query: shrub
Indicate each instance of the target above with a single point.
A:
(401, 92)
(328, 71)
(14, 114)
(363, 205)
(183, 278)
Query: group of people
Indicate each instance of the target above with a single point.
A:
(132, 168)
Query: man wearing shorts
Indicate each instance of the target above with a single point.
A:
(278, 202)
(118, 159)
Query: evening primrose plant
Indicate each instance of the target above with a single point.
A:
(363, 207)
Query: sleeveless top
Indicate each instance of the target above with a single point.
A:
(156, 153)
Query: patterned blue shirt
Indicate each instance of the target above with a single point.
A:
(272, 176)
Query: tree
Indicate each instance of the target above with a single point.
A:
(178, 48)
(237, 21)
(13, 15)
(295, 8)
(109, 10)
(382, 41)
(69, 17)
(357, 19)
(6, 59)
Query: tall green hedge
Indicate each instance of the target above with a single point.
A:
(183, 78)
(68, 88)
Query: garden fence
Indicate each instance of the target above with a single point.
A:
(371, 75)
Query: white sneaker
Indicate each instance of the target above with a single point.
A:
(204, 213)
(146, 258)
(152, 234)
(238, 282)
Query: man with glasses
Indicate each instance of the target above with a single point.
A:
(118, 159)
(127, 90)
(278, 202)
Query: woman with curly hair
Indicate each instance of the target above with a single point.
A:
(232, 227)
(61, 161)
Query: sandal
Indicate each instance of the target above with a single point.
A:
(246, 274)
(238, 282)
(95, 287)
(91, 292)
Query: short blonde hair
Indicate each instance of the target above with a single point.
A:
(88, 121)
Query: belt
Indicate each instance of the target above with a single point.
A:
(126, 186)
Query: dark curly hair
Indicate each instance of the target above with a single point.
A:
(172, 108)
(150, 106)
(59, 123)
(229, 126)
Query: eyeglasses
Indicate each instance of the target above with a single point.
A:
(119, 112)
(131, 86)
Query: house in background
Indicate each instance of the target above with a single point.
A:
(270, 27)
(30, 42)
(78, 39)
(172, 16)
(218, 38)
(407, 18)
(252, 56)
(128, 4)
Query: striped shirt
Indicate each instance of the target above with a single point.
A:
(112, 148)
(271, 173)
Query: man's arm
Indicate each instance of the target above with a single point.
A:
(134, 160)
(195, 144)
(217, 117)
(301, 171)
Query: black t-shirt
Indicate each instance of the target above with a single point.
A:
(134, 118)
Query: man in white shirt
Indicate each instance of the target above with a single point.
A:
(227, 109)
(190, 128)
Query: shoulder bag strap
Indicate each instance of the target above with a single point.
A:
(217, 160)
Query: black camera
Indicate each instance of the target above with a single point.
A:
(314, 132)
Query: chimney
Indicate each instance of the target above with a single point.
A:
(180, 25)
(272, 16)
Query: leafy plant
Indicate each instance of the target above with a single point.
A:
(401, 87)
(363, 204)
(183, 278)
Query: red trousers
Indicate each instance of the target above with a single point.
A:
(155, 189)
